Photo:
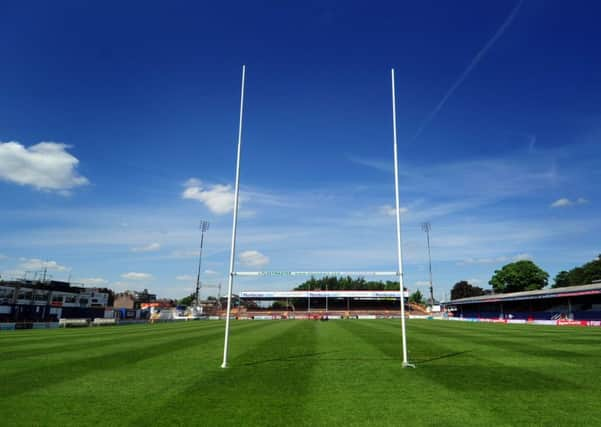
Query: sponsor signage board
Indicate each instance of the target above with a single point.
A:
(321, 294)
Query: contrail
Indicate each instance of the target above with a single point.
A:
(469, 68)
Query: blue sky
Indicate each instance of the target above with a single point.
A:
(118, 126)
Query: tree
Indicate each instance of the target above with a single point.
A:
(279, 305)
(582, 275)
(416, 297)
(187, 301)
(333, 283)
(519, 276)
(463, 289)
(562, 279)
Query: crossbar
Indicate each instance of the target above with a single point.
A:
(314, 273)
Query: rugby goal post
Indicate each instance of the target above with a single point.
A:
(398, 273)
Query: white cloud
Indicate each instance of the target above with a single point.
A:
(93, 281)
(136, 276)
(211, 272)
(254, 259)
(218, 198)
(193, 182)
(184, 277)
(191, 253)
(381, 165)
(483, 180)
(496, 260)
(564, 202)
(522, 257)
(152, 247)
(3, 257)
(561, 203)
(391, 211)
(421, 284)
(491, 260)
(35, 264)
(45, 166)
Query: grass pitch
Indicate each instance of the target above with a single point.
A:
(305, 373)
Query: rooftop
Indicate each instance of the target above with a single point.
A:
(592, 289)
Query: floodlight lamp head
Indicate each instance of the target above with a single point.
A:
(204, 225)
(426, 226)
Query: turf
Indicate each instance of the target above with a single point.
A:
(305, 373)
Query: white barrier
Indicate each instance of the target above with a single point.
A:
(263, 318)
(72, 322)
(103, 321)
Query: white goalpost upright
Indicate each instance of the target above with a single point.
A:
(399, 246)
(230, 281)
(233, 272)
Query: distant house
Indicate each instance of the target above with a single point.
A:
(133, 300)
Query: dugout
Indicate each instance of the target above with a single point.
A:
(574, 303)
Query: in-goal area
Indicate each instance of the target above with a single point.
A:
(398, 273)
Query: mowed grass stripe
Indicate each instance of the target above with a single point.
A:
(69, 366)
(301, 373)
(264, 385)
(533, 343)
(45, 338)
(491, 371)
(40, 360)
(494, 355)
(402, 393)
(57, 343)
(122, 381)
(353, 382)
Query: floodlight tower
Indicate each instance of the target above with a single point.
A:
(204, 227)
(427, 227)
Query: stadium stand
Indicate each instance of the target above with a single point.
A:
(573, 303)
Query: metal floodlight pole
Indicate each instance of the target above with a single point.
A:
(204, 227)
(230, 283)
(398, 226)
(427, 227)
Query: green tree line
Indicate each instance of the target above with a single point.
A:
(582, 275)
(525, 275)
(334, 283)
